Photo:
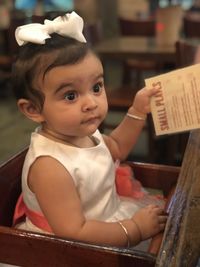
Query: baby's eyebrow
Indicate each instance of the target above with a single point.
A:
(70, 84)
(61, 86)
(100, 76)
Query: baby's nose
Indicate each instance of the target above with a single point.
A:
(89, 103)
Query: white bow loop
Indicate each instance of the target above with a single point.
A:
(70, 25)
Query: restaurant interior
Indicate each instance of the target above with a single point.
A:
(135, 39)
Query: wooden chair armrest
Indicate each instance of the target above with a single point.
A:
(161, 177)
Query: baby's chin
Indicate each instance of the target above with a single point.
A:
(91, 131)
(91, 127)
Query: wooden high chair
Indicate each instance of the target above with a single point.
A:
(26, 248)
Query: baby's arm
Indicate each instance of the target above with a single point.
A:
(60, 203)
(123, 138)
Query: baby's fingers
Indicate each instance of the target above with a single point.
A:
(162, 219)
(161, 226)
(160, 211)
(153, 91)
(162, 222)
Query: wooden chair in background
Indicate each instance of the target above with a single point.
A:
(137, 27)
(37, 19)
(93, 32)
(187, 52)
(144, 28)
(191, 25)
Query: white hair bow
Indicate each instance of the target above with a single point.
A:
(70, 25)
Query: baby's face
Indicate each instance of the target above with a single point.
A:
(75, 100)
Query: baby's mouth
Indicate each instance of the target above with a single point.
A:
(92, 119)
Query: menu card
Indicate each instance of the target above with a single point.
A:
(176, 108)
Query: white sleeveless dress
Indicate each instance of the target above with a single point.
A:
(93, 172)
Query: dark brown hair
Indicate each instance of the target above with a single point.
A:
(35, 59)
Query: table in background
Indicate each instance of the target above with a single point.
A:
(136, 47)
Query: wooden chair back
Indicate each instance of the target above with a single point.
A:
(187, 53)
(93, 32)
(140, 27)
(48, 250)
(37, 19)
(191, 25)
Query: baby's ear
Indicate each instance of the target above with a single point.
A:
(30, 110)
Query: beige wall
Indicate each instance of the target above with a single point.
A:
(131, 8)
(88, 9)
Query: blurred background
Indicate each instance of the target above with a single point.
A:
(105, 20)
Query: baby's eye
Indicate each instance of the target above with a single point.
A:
(72, 95)
(97, 87)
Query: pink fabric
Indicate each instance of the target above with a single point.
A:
(126, 184)
(36, 218)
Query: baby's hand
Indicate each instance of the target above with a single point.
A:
(141, 101)
(150, 221)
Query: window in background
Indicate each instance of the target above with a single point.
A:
(184, 3)
(59, 5)
(25, 4)
(47, 4)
